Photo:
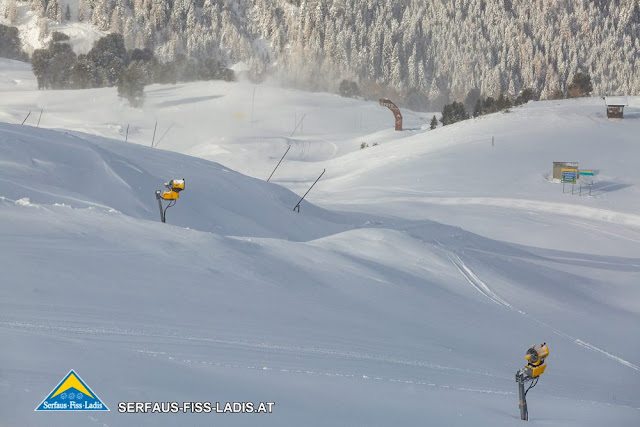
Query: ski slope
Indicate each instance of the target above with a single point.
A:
(405, 292)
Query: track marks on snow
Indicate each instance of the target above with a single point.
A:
(90, 332)
(317, 373)
(482, 287)
(478, 284)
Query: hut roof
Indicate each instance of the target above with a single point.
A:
(616, 101)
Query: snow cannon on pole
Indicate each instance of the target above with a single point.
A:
(170, 195)
(535, 367)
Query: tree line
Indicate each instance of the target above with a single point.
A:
(422, 54)
(109, 63)
(580, 86)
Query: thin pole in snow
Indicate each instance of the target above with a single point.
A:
(297, 206)
(38, 125)
(25, 119)
(253, 101)
(126, 137)
(296, 128)
(154, 134)
(167, 131)
(274, 171)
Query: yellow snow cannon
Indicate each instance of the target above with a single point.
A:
(536, 355)
(171, 194)
(174, 187)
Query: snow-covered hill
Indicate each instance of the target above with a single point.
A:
(378, 316)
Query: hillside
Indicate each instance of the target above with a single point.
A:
(405, 292)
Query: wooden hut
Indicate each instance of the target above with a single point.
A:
(615, 106)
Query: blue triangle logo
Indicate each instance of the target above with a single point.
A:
(72, 394)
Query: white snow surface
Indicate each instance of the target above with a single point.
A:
(405, 292)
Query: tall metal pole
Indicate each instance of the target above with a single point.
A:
(160, 205)
(297, 206)
(296, 128)
(524, 413)
(163, 135)
(25, 119)
(274, 171)
(154, 133)
(38, 125)
(253, 101)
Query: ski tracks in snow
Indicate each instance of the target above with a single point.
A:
(478, 284)
(90, 332)
(485, 290)
(365, 377)
(360, 376)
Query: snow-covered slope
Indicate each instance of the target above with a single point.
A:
(86, 171)
(379, 316)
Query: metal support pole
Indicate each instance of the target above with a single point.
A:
(297, 206)
(296, 128)
(25, 119)
(274, 171)
(154, 134)
(160, 205)
(524, 413)
(253, 102)
(163, 135)
(38, 125)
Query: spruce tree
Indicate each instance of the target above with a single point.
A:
(131, 82)
(477, 110)
(434, 123)
(10, 45)
(580, 86)
(452, 113)
(40, 65)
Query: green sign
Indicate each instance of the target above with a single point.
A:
(569, 176)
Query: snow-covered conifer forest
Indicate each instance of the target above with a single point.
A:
(423, 52)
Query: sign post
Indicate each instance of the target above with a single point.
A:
(569, 175)
(588, 175)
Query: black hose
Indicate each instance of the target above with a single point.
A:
(533, 384)
(171, 203)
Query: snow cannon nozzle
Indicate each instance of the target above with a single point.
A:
(176, 185)
(536, 355)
